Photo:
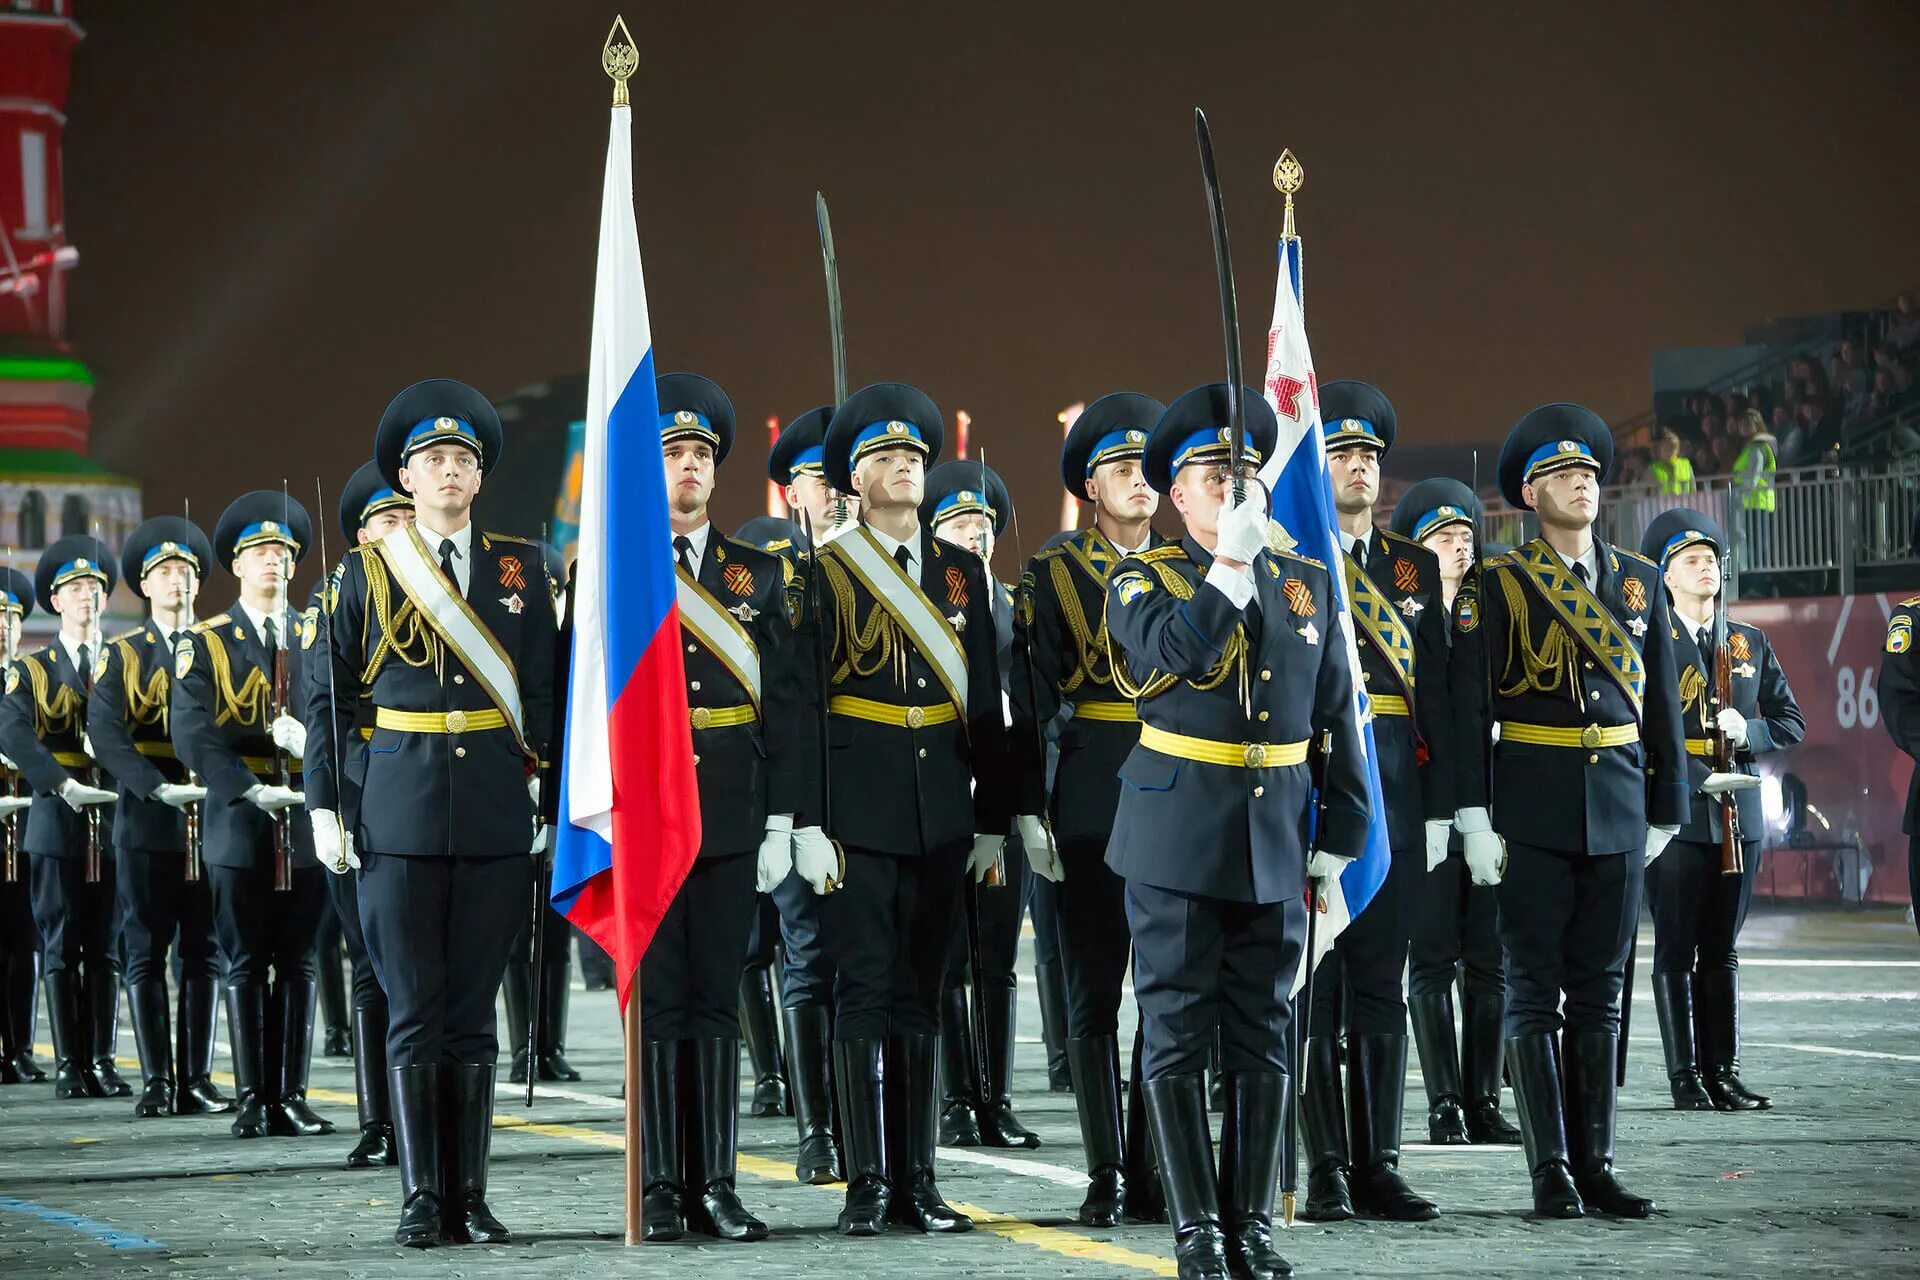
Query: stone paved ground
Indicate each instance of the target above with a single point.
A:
(1824, 1184)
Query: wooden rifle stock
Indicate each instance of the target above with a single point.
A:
(1732, 857)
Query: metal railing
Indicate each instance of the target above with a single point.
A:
(1827, 525)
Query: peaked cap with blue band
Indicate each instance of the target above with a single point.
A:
(436, 411)
(1356, 413)
(883, 416)
(16, 592)
(954, 489)
(800, 448)
(163, 538)
(1432, 505)
(1549, 439)
(695, 408)
(265, 515)
(1194, 429)
(1113, 427)
(76, 556)
(1676, 529)
(366, 495)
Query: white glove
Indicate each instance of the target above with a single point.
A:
(1438, 830)
(817, 859)
(10, 805)
(776, 853)
(1242, 534)
(1657, 839)
(1734, 725)
(289, 735)
(6, 761)
(1042, 854)
(1485, 851)
(542, 837)
(333, 843)
(986, 852)
(178, 794)
(533, 791)
(79, 795)
(1325, 866)
(1721, 783)
(272, 799)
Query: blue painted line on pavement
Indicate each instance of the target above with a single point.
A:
(101, 1232)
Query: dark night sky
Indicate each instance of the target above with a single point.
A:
(288, 212)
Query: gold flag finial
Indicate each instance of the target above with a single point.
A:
(1288, 177)
(620, 58)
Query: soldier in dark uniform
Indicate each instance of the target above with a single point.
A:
(1562, 646)
(369, 509)
(459, 631)
(967, 505)
(1393, 591)
(1454, 921)
(1900, 712)
(746, 706)
(19, 937)
(231, 727)
(1061, 630)
(917, 752)
(43, 730)
(166, 559)
(1232, 653)
(1697, 908)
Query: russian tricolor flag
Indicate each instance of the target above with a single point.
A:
(1297, 477)
(629, 807)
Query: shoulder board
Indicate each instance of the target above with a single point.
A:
(1051, 553)
(36, 658)
(1909, 602)
(778, 545)
(747, 550)
(1391, 536)
(1153, 555)
(490, 536)
(1295, 555)
(1494, 562)
(1635, 556)
(210, 623)
(127, 635)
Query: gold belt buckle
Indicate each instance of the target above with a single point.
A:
(700, 717)
(1256, 755)
(1590, 736)
(916, 717)
(456, 722)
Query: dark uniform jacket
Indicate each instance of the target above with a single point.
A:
(222, 710)
(353, 748)
(130, 724)
(435, 794)
(1900, 697)
(1062, 624)
(1760, 693)
(749, 770)
(42, 721)
(1217, 830)
(1578, 798)
(1404, 576)
(900, 790)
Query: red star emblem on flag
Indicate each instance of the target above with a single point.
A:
(1286, 391)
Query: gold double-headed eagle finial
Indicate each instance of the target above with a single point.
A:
(1288, 177)
(620, 58)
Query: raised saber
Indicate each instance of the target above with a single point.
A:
(837, 336)
(1229, 307)
(190, 812)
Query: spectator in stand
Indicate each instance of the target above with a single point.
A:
(1753, 489)
(1850, 373)
(1875, 403)
(1820, 433)
(1903, 328)
(1904, 394)
(1670, 471)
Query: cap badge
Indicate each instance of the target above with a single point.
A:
(445, 424)
(1136, 437)
(896, 428)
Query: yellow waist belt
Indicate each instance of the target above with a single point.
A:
(163, 750)
(1113, 712)
(1387, 704)
(439, 721)
(845, 704)
(1702, 747)
(720, 717)
(268, 766)
(1589, 737)
(73, 759)
(1234, 755)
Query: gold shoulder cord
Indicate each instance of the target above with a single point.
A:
(246, 705)
(869, 648)
(1693, 689)
(53, 709)
(403, 632)
(1093, 660)
(1554, 666)
(1233, 655)
(146, 704)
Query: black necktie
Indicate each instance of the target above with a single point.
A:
(86, 661)
(1580, 572)
(1360, 552)
(272, 633)
(446, 562)
(683, 552)
(904, 559)
(1707, 650)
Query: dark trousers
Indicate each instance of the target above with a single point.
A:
(1456, 932)
(344, 893)
(76, 919)
(1365, 964)
(439, 930)
(1566, 921)
(158, 903)
(809, 970)
(1043, 904)
(1002, 908)
(888, 929)
(1697, 912)
(1094, 943)
(690, 975)
(19, 935)
(1199, 963)
(262, 929)
(763, 933)
(556, 939)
